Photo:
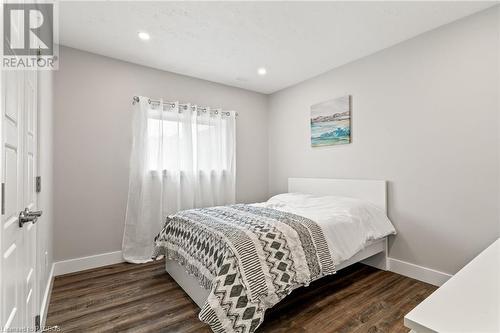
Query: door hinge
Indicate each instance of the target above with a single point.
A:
(38, 184)
(3, 198)
(37, 323)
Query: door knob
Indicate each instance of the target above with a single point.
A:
(27, 215)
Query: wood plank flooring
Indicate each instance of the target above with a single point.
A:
(144, 298)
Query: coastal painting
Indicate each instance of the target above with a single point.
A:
(331, 122)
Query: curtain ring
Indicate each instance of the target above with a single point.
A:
(149, 101)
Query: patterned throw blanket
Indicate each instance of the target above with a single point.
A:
(249, 258)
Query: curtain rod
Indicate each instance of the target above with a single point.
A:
(135, 99)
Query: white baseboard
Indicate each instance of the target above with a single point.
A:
(46, 297)
(80, 264)
(416, 272)
(420, 273)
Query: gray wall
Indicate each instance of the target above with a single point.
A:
(45, 170)
(425, 118)
(93, 140)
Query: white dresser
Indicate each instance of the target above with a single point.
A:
(467, 302)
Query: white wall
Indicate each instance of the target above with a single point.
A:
(45, 170)
(425, 118)
(93, 140)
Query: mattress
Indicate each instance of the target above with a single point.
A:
(348, 224)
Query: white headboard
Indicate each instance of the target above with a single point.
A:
(374, 191)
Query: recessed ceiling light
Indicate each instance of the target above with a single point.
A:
(143, 35)
(262, 71)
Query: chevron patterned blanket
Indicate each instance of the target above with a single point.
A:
(248, 257)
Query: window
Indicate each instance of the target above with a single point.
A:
(188, 142)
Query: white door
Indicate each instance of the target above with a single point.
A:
(18, 239)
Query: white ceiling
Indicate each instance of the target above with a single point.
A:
(226, 42)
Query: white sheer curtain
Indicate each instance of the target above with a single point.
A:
(182, 157)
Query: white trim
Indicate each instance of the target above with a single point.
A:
(80, 264)
(417, 272)
(46, 297)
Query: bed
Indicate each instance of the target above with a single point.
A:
(372, 251)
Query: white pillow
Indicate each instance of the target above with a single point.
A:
(325, 209)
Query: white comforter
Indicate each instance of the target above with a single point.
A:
(348, 224)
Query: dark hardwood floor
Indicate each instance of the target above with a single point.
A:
(143, 298)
